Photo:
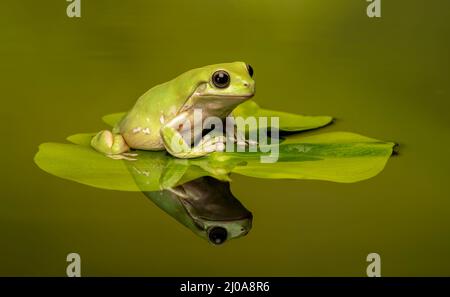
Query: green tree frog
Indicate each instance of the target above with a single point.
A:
(157, 118)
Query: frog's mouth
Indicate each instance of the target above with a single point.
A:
(201, 92)
(212, 96)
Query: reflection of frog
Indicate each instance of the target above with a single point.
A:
(156, 120)
(207, 207)
(202, 203)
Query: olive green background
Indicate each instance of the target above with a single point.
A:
(385, 78)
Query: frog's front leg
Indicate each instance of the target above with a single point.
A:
(180, 147)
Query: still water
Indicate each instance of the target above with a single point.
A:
(383, 78)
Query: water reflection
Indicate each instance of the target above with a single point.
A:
(207, 207)
(200, 202)
(196, 192)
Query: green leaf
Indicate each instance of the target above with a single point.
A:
(114, 118)
(82, 138)
(151, 172)
(337, 156)
(288, 121)
(84, 165)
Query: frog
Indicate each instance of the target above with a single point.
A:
(157, 120)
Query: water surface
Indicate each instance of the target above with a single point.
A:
(386, 79)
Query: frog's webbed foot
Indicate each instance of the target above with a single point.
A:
(110, 144)
(211, 144)
(241, 140)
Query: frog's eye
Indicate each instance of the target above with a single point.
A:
(217, 235)
(221, 79)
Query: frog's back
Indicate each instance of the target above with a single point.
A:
(140, 126)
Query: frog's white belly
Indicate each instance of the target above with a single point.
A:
(143, 138)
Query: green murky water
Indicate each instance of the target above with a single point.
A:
(386, 79)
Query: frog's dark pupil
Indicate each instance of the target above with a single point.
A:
(221, 79)
(217, 235)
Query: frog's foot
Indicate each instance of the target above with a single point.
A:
(239, 137)
(177, 146)
(241, 141)
(108, 143)
(210, 144)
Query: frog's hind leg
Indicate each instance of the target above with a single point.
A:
(110, 144)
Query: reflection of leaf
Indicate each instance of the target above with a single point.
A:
(173, 172)
(338, 156)
(288, 121)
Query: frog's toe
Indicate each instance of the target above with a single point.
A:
(213, 144)
(220, 147)
(108, 143)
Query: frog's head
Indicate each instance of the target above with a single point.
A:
(228, 81)
(219, 87)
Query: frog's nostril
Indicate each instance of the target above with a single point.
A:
(246, 84)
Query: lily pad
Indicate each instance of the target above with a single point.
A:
(287, 121)
(114, 118)
(84, 165)
(337, 156)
